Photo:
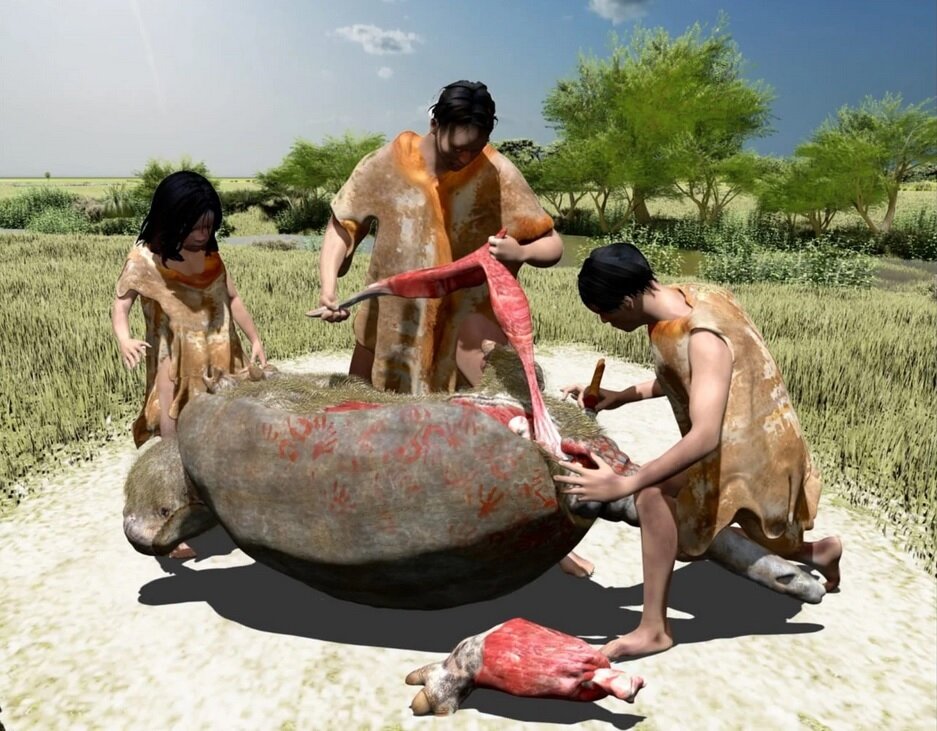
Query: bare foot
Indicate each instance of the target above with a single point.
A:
(619, 684)
(826, 555)
(182, 552)
(577, 566)
(639, 642)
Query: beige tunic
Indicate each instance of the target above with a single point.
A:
(188, 320)
(426, 221)
(761, 475)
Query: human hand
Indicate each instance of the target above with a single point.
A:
(608, 399)
(257, 353)
(332, 313)
(132, 351)
(506, 248)
(601, 483)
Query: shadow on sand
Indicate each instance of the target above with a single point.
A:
(720, 605)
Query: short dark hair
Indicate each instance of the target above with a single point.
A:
(179, 201)
(465, 102)
(611, 273)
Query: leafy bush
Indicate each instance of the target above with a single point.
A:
(233, 201)
(580, 222)
(17, 211)
(912, 237)
(664, 258)
(59, 221)
(121, 201)
(309, 214)
(739, 261)
(129, 226)
(155, 170)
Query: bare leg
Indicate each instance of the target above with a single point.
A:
(167, 429)
(362, 360)
(164, 393)
(468, 355)
(619, 684)
(658, 554)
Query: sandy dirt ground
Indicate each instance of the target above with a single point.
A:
(96, 636)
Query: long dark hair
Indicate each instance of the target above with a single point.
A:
(179, 202)
(611, 273)
(465, 102)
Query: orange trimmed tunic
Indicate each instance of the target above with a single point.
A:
(427, 221)
(761, 475)
(188, 320)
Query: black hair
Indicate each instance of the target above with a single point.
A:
(611, 273)
(465, 102)
(179, 202)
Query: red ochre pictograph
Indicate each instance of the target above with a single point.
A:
(340, 500)
(488, 500)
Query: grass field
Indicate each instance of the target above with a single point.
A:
(859, 363)
(96, 187)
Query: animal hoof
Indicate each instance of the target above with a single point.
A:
(420, 704)
(417, 677)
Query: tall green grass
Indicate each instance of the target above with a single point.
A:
(62, 386)
(860, 365)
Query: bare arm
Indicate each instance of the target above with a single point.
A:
(244, 321)
(711, 366)
(131, 350)
(334, 259)
(544, 251)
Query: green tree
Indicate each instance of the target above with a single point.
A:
(527, 157)
(311, 171)
(659, 110)
(556, 172)
(566, 176)
(904, 139)
(155, 170)
(804, 186)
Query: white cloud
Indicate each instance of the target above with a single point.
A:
(385, 72)
(618, 11)
(377, 41)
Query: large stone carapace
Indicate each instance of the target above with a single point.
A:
(383, 499)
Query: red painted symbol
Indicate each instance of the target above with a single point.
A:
(305, 427)
(490, 501)
(340, 501)
(288, 450)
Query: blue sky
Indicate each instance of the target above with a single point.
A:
(99, 86)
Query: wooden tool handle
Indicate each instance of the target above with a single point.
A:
(592, 394)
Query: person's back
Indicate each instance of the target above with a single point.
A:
(761, 474)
